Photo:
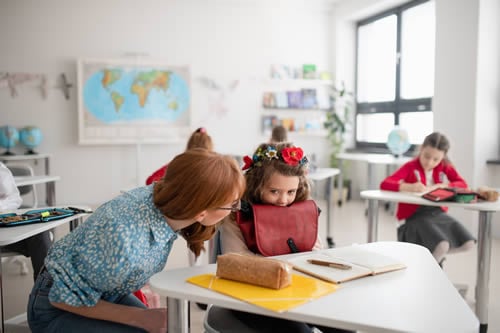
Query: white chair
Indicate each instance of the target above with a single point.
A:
(22, 170)
(25, 170)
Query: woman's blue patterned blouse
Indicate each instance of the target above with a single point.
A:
(113, 253)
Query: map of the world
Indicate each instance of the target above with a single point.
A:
(116, 94)
(127, 103)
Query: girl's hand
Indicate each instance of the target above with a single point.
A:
(154, 320)
(413, 187)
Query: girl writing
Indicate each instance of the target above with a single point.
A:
(429, 226)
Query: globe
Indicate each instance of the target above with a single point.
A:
(30, 137)
(9, 136)
(398, 142)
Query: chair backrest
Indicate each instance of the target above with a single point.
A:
(25, 170)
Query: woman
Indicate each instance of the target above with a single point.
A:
(90, 274)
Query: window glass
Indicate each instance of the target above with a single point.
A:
(377, 60)
(374, 127)
(417, 51)
(417, 124)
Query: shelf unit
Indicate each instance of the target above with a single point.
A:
(299, 121)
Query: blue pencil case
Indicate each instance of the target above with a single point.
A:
(34, 216)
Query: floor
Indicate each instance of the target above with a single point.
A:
(349, 226)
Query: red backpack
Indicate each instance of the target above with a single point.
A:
(276, 230)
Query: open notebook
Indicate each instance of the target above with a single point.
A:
(361, 262)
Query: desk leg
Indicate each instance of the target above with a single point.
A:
(340, 181)
(372, 220)
(483, 268)
(1, 297)
(75, 223)
(328, 196)
(50, 191)
(178, 316)
(47, 166)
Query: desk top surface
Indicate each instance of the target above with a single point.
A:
(34, 180)
(419, 298)
(415, 198)
(375, 158)
(9, 235)
(323, 173)
(23, 157)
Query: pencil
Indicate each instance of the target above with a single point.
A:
(329, 264)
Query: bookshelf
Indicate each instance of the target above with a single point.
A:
(298, 104)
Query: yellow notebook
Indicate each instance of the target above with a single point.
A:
(302, 290)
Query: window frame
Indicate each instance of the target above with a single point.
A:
(399, 105)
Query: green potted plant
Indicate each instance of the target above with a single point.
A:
(338, 120)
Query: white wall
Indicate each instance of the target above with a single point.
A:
(224, 40)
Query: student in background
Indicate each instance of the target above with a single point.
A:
(279, 134)
(198, 139)
(35, 247)
(429, 226)
(91, 273)
(275, 175)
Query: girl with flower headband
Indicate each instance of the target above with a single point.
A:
(275, 175)
(198, 139)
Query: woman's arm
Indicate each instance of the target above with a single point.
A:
(151, 320)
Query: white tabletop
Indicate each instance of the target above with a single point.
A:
(322, 173)
(34, 180)
(25, 157)
(416, 198)
(419, 298)
(9, 235)
(375, 158)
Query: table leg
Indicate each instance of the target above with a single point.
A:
(372, 220)
(74, 223)
(50, 192)
(340, 181)
(47, 166)
(483, 268)
(1, 297)
(178, 315)
(328, 195)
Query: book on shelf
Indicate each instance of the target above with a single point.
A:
(309, 100)
(355, 263)
(268, 123)
(309, 71)
(294, 99)
(269, 100)
(281, 100)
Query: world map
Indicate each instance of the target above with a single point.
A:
(119, 94)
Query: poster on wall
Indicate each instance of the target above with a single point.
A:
(131, 102)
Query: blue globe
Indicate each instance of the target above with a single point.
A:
(9, 137)
(398, 142)
(30, 137)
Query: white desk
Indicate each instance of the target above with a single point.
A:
(372, 160)
(49, 181)
(418, 299)
(328, 174)
(28, 157)
(10, 235)
(485, 209)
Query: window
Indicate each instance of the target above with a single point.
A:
(395, 74)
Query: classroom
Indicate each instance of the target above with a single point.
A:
(227, 52)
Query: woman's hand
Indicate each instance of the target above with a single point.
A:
(154, 320)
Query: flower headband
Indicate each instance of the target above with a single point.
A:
(290, 155)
